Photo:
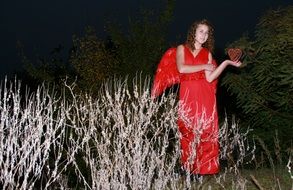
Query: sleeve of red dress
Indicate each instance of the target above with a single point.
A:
(166, 74)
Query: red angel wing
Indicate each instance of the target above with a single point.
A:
(166, 74)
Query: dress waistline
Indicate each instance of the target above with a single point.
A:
(194, 76)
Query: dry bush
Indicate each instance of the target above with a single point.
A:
(121, 140)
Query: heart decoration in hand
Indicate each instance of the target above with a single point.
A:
(234, 54)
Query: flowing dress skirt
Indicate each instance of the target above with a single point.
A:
(198, 125)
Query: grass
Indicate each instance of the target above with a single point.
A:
(266, 178)
(250, 179)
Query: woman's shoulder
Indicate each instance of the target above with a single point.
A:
(181, 46)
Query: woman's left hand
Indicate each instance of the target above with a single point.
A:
(234, 63)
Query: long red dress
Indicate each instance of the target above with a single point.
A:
(198, 119)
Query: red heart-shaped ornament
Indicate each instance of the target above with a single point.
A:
(234, 54)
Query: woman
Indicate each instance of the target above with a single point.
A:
(198, 119)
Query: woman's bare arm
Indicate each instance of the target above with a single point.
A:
(212, 75)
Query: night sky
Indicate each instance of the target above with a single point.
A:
(42, 25)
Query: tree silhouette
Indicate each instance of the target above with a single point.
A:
(264, 87)
(93, 60)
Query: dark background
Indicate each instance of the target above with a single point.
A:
(41, 26)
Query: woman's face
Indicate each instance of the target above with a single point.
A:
(201, 33)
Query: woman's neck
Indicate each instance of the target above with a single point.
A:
(197, 46)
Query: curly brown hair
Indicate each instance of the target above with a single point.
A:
(209, 44)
